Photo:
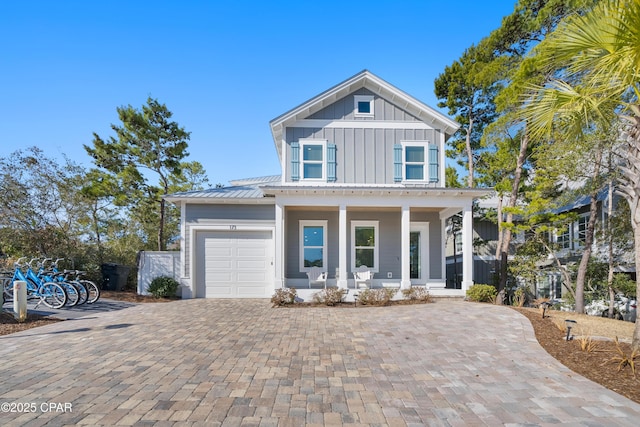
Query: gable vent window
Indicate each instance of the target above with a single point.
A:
(363, 105)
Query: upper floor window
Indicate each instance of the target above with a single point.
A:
(313, 159)
(564, 238)
(458, 246)
(581, 229)
(417, 161)
(313, 244)
(363, 105)
(414, 164)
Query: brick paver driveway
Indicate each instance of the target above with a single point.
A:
(233, 362)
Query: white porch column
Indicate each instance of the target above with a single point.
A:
(443, 249)
(342, 247)
(467, 247)
(405, 252)
(278, 261)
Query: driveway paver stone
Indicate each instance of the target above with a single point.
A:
(243, 363)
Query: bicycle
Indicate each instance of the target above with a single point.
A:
(50, 293)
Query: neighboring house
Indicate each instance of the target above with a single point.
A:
(362, 184)
(570, 245)
(485, 242)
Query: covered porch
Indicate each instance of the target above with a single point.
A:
(397, 233)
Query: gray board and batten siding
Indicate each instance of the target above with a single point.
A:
(363, 155)
(206, 214)
(389, 235)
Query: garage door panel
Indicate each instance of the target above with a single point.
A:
(250, 276)
(251, 264)
(236, 264)
(220, 264)
(213, 251)
(251, 252)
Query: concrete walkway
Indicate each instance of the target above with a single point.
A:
(243, 363)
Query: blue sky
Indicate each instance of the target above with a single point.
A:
(224, 68)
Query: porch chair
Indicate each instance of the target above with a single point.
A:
(317, 277)
(363, 277)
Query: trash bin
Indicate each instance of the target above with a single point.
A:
(114, 276)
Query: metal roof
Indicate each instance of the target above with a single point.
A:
(241, 189)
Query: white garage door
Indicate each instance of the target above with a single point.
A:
(234, 264)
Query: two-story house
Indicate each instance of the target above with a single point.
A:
(362, 184)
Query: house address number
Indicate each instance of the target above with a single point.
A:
(232, 227)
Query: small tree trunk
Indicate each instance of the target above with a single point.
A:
(469, 154)
(586, 253)
(611, 265)
(161, 244)
(636, 234)
(513, 199)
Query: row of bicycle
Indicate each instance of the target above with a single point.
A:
(54, 288)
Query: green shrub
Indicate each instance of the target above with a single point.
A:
(482, 293)
(376, 296)
(329, 296)
(163, 287)
(284, 296)
(417, 293)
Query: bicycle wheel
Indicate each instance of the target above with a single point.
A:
(73, 294)
(92, 289)
(82, 292)
(7, 288)
(52, 295)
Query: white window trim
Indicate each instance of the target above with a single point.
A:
(322, 142)
(363, 98)
(376, 248)
(313, 223)
(425, 164)
(558, 233)
(458, 243)
(577, 243)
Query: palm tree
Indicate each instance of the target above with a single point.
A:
(598, 58)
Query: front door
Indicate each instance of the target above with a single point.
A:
(419, 253)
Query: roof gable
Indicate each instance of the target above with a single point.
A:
(373, 83)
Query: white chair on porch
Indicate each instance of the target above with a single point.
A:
(317, 277)
(363, 277)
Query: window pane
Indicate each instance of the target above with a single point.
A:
(313, 152)
(414, 154)
(313, 257)
(364, 107)
(364, 257)
(312, 170)
(415, 172)
(313, 236)
(365, 236)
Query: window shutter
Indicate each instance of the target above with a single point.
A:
(433, 163)
(331, 162)
(397, 162)
(295, 161)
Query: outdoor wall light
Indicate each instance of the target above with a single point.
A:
(569, 324)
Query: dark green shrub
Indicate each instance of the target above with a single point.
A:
(482, 293)
(329, 296)
(163, 287)
(284, 296)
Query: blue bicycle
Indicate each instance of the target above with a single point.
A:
(50, 293)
